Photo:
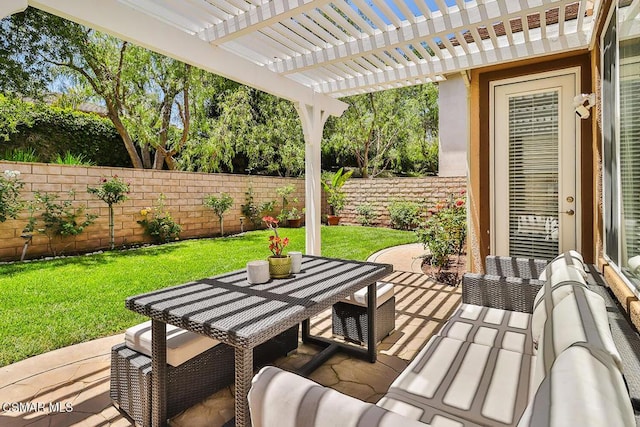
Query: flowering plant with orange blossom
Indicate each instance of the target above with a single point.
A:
(276, 243)
(444, 232)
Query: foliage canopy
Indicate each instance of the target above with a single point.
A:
(170, 115)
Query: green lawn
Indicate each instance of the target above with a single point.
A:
(46, 305)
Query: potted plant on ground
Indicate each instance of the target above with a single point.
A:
(294, 216)
(335, 195)
(279, 264)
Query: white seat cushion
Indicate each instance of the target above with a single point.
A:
(481, 384)
(182, 345)
(493, 327)
(384, 294)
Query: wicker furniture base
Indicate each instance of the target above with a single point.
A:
(350, 321)
(188, 383)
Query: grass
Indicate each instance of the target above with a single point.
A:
(46, 305)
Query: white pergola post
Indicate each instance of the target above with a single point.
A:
(9, 7)
(313, 119)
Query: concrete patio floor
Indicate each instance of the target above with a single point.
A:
(78, 376)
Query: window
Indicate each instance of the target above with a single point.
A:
(621, 139)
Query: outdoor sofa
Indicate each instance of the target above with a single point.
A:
(529, 352)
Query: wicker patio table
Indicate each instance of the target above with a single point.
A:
(229, 309)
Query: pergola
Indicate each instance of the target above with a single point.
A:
(312, 52)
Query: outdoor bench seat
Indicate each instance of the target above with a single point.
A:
(551, 362)
(349, 316)
(198, 366)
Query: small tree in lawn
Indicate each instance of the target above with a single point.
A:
(111, 191)
(220, 205)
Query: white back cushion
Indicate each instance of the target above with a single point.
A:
(568, 259)
(580, 317)
(558, 285)
(584, 388)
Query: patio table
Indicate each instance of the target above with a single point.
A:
(229, 309)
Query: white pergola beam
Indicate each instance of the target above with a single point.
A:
(112, 17)
(9, 7)
(425, 69)
(257, 18)
(484, 14)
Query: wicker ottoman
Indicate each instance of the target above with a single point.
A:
(188, 383)
(349, 319)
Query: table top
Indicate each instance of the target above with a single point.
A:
(229, 309)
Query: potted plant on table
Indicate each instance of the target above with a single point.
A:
(335, 195)
(279, 264)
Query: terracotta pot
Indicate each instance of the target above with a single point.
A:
(279, 266)
(294, 223)
(333, 220)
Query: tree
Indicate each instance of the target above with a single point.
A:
(219, 205)
(111, 191)
(385, 130)
(250, 131)
(144, 93)
(13, 113)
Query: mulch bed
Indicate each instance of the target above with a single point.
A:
(449, 275)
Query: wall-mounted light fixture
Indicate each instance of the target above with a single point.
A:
(582, 109)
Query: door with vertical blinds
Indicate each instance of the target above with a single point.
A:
(535, 167)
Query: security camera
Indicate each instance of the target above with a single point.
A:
(582, 110)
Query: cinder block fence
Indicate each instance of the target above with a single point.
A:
(184, 193)
(380, 193)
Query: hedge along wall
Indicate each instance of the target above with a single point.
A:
(184, 192)
(381, 192)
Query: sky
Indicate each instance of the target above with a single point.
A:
(411, 4)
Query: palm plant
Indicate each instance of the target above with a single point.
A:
(335, 195)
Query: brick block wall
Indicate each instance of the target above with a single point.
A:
(380, 192)
(184, 192)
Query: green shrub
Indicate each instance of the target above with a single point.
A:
(444, 232)
(54, 218)
(250, 210)
(72, 159)
(159, 224)
(26, 155)
(47, 131)
(284, 193)
(366, 214)
(10, 202)
(404, 215)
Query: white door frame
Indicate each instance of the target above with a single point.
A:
(496, 247)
